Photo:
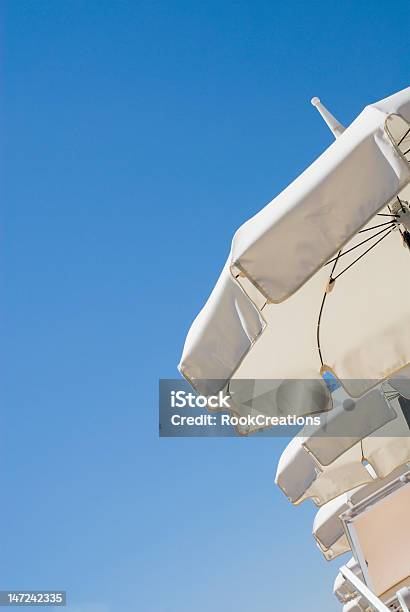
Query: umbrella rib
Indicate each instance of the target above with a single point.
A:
(322, 306)
(363, 254)
(403, 137)
(359, 244)
(375, 226)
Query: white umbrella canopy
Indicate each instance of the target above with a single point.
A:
(261, 320)
(301, 476)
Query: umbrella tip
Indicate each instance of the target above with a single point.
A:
(336, 127)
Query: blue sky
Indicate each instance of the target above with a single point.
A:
(137, 136)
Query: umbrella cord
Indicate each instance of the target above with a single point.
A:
(390, 226)
(318, 328)
(386, 232)
(322, 306)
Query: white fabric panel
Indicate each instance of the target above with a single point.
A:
(346, 473)
(218, 344)
(328, 529)
(292, 237)
(398, 103)
(301, 477)
(365, 328)
(220, 336)
(287, 347)
(296, 471)
(340, 547)
(385, 450)
(370, 413)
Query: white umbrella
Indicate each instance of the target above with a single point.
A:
(316, 283)
(301, 476)
(278, 311)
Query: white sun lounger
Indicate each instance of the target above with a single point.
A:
(328, 528)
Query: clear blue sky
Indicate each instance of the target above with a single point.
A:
(138, 136)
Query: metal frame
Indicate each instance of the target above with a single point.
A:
(364, 587)
(364, 590)
(403, 595)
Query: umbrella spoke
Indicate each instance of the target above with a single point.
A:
(376, 226)
(363, 254)
(386, 229)
(403, 137)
